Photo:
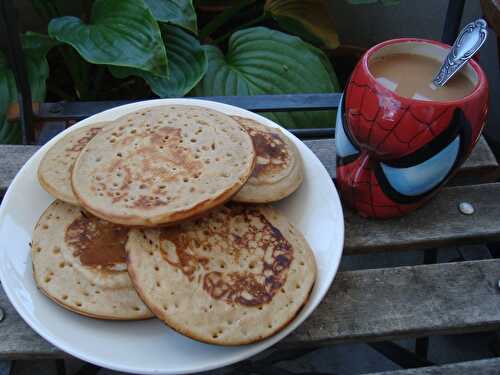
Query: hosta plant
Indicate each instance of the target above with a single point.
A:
(138, 49)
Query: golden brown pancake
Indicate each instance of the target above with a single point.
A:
(278, 168)
(54, 171)
(79, 262)
(163, 164)
(235, 276)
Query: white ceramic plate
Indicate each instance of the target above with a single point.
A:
(149, 346)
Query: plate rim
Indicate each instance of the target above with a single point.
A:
(45, 332)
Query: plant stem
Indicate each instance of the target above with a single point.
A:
(87, 10)
(78, 70)
(261, 18)
(98, 79)
(45, 8)
(222, 18)
(59, 92)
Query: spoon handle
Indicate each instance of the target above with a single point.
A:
(470, 39)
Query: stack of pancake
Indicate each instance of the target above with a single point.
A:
(164, 212)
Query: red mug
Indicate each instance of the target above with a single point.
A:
(394, 152)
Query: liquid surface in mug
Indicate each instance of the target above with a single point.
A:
(411, 76)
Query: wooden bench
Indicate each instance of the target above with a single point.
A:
(483, 367)
(362, 306)
(368, 305)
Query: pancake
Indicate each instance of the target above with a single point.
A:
(79, 262)
(278, 168)
(163, 164)
(235, 276)
(54, 171)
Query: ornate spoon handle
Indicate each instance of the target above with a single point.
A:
(470, 39)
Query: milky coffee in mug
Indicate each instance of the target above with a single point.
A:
(411, 76)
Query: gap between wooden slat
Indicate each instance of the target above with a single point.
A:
(368, 305)
(488, 366)
(394, 303)
(439, 223)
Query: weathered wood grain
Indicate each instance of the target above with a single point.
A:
(392, 303)
(438, 223)
(364, 305)
(325, 151)
(479, 168)
(483, 367)
(12, 158)
(17, 339)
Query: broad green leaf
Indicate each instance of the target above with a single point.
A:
(38, 72)
(227, 13)
(37, 44)
(10, 132)
(8, 95)
(309, 19)
(35, 48)
(120, 32)
(264, 61)
(176, 12)
(364, 2)
(187, 62)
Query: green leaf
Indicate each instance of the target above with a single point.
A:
(176, 12)
(225, 16)
(187, 60)
(35, 48)
(264, 61)
(121, 33)
(10, 132)
(364, 2)
(8, 91)
(37, 44)
(309, 19)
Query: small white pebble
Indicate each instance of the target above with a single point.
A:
(466, 208)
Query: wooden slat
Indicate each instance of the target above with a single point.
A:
(18, 340)
(392, 303)
(364, 305)
(479, 168)
(483, 367)
(12, 158)
(438, 223)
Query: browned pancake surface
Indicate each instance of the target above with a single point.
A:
(235, 276)
(278, 170)
(163, 164)
(54, 171)
(79, 261)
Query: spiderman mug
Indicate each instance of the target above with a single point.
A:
(395, 152)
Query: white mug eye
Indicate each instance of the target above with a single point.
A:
(343, 145)
(421, 178)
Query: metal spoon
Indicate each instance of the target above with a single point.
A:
(470, 39)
